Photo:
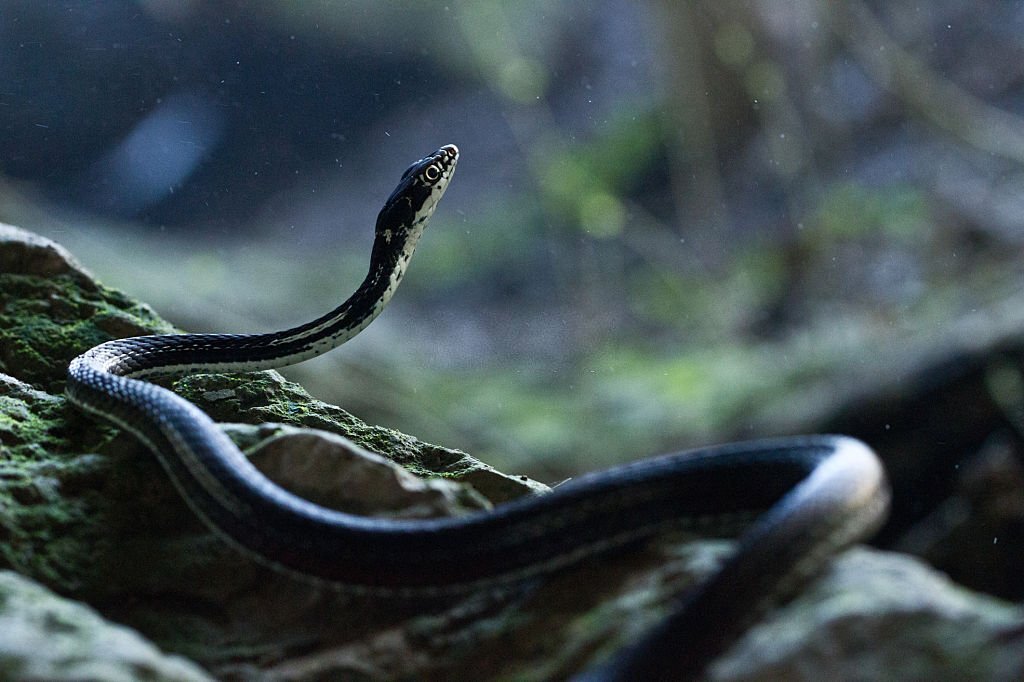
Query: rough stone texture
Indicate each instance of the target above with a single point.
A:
(26, 253)
(878, 616)
(46, 637)
(87, 512)
(267, 398)
(332, 471)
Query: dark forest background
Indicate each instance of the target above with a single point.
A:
(673, 222)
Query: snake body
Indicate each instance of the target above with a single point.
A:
(807, 496)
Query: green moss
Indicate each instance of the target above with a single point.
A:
(268, 398)
(45, 322)
(50, 516)
(54, 517)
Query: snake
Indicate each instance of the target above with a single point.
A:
(793, 502)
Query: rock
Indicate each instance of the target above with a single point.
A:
(87, 511)
(26, 253)
(944, 414)
(334, 472)
(268, 398)
(878, 616)
(46, 637)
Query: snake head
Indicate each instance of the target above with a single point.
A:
(413, 201)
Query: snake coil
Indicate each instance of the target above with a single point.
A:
(811, 495)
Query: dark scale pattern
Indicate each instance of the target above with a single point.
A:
(813, 495)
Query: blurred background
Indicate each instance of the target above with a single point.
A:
(673, 223)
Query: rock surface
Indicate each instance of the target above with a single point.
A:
(46, 637)
(87, 512)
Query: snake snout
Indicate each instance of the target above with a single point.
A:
(449, 150)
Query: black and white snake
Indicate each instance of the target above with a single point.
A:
(809, 496)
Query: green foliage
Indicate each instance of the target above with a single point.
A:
(705, 306)
(503, 235)
(851, 210)
(623, 403)
(584, 186)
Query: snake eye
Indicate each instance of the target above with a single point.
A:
(431, 173)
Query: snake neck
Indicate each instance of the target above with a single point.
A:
(400, 224)
(145, 357)
(392, 251)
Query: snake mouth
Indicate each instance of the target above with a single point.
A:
(450, 150)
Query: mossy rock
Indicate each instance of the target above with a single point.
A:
(87, 515)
